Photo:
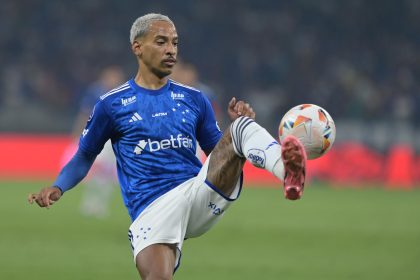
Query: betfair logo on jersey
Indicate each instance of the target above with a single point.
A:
(172, 143)
(177, 95)
(128, 101)
(140, 147)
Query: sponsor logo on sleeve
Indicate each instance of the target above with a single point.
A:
(128, 101)
(176, 96)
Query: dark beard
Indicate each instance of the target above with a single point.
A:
(161, 74)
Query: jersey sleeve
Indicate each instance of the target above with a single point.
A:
(74, 171)
(98, 130)
(208, 131)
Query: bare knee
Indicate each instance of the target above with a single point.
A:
(157, 262)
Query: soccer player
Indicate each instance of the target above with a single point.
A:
(153, 123)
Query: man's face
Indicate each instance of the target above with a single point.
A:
(158, 48)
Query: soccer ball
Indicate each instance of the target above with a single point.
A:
(312, 125)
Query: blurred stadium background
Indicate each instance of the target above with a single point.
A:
(360, 60)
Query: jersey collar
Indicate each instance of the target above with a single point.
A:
(159, 91)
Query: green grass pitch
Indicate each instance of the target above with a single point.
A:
(330, 234)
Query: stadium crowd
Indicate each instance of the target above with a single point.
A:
(360, 59)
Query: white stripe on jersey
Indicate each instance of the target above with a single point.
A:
(182, 85)
(115, 90)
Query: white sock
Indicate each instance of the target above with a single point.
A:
(252, 141)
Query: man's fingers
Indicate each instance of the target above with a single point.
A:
(239, 107)
(232, 103)
(39, 198)
(46, 199)
(32, 197)
(251, 113)
(38, 201)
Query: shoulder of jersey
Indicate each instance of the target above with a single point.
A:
(116, 91)
(185, 88)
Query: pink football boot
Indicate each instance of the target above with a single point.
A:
(294, 160)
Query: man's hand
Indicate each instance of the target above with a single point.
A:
(239, 108)
(46, 197)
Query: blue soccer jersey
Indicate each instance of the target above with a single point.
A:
(154, 135)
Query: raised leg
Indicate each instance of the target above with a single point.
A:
(247, 140)
(225, 165)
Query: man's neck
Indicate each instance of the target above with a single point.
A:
(150, 81)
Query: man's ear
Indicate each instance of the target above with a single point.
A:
(136, 47)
